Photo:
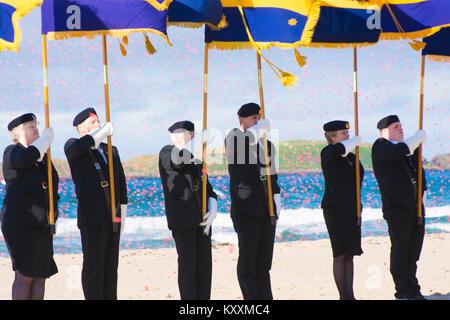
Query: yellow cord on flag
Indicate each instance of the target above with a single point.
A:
(286, 78)
(415, 44)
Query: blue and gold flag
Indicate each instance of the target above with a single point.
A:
(355, 23)
(347, 23)
(261, 24)
(266, 23)
(11, 11)
(62, 19)
(410, 19)
(438, 45)
(196, 13)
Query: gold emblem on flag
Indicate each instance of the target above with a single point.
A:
(292, 22)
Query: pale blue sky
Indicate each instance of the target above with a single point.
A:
(149, 93)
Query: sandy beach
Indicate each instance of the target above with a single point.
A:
(302, 270)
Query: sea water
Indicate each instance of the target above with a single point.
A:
(301, 217)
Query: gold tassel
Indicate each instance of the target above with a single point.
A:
(301, 60)
(122, 49)
(417, 45)
(222, 24)
(125, 40)
(148, 45)
(287, 79)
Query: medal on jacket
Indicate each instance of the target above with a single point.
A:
(97, 166)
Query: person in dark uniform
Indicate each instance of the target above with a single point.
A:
(249, 201)
(181, 177)
(339, 202)
(395, 163)
(24, 215)
(88, 161)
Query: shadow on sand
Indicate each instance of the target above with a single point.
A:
(438, 296)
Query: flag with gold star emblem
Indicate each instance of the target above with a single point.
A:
(266, 23)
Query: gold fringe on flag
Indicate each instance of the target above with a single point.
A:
(301, 60)
(148, 45)
(438, 58)
(160, 6)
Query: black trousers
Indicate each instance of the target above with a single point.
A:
(256, 238)
(406, 244)
(100, 262)
(194, 263)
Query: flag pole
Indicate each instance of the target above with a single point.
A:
(51, 209)
(358, 173)
(419, 161)
(115, 221)
(266, 155)
(205, 118)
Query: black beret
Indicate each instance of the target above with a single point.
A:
(83, 115)
(248, 110)
(387, 121)
(336, 125)
(22, 119)
(185, 125)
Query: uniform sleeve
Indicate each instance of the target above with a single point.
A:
(21, 158)
(384, 150)
(332, 152)
(56, 196)
(210, 191)
(416, 160)
(273, 168)
(76, 148)
(122, 180)
(361, 171)
(275, 186)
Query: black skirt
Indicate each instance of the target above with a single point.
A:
(344, 232)
(30, 248)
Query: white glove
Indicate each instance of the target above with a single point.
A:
(43, 142)
(210, 215)
(195, 146)
(277, 199)
(350, 144)
(123, 215)
(101, 133)
(415, 140)
(259, 129)
(424, 198)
